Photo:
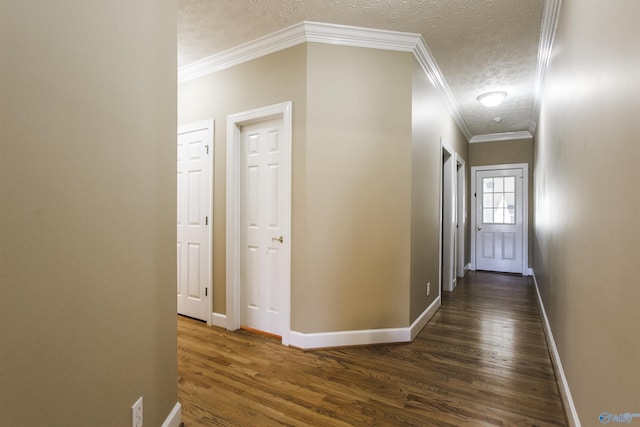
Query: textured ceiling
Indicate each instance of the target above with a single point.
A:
(479, 45)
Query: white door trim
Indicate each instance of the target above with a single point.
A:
(446, 148)
(193, 127)
(525, 210)
(461, 213)
(234, 133)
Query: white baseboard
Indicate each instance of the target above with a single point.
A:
(363, 337)
(563, 385)
(175, 417)
(424, 318)
(467, 267)
(219, 320)
(528, 272)
(348, 338)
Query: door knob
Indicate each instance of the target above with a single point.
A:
(278, 239)
(479, 228)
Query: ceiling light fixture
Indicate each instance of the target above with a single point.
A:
(492, 99)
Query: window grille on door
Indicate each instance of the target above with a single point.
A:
(499, 200)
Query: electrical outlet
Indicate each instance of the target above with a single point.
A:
(136, 413)
(428, 288)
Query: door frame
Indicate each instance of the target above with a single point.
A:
(234, 135)
(525, 210)
(445, 148)
(209, 125)
(461, 214)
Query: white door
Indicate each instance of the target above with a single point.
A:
(499, 220)
(263, 219)
(195, 152)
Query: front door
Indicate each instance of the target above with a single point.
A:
(499, 220)
(263, 221)
(194, 220)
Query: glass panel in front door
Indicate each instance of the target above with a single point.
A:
(498, 200)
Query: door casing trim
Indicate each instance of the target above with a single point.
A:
(461, 213)
(445, 147)
(525, 209)
(234, 133)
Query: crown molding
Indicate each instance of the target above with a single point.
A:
(547, 35)
(505, 136)
(430, 67)
(302, 32)
(342, 35)
(271, 43)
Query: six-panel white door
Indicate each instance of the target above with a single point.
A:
(499, 220)
(194, 193)
(264, 170)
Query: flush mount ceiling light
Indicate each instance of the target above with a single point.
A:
(491, 99)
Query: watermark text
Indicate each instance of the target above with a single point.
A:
(626, 418)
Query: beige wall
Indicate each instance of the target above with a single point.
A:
(587, 232)
(357, 190)
(507, 152)
(87, 212)
(351, 197)
(430, 123)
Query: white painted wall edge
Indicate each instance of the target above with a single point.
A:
(563, 385)
(219, 320)
(365, 336)
(175, 417)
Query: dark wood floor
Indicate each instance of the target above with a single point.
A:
(481, 361)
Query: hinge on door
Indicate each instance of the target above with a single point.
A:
(207, 147)
(475, 194)
(206, 292)
(206, 220)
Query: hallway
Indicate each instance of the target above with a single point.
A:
(481, 361)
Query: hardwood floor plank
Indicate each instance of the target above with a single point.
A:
(481, 361)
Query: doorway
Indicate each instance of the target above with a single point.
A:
(259, 220)
(500, 218)
(448, 215)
